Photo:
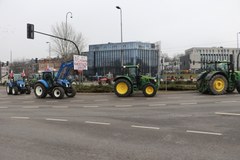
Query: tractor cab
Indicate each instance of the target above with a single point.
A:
(133, 72)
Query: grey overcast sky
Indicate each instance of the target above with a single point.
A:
(178, 24)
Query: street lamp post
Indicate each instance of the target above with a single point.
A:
(66, 31)
(49, 52)
(121, 33)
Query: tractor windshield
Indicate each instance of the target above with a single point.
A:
(18, 77)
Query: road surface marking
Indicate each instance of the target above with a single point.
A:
(60, 107)
(101, 100)
(3, 107)
(28, 101)
(90, 106)
(127, 99)
(227, 114)
(173, 97)
(202, 132)
(123, 105)
(226, 102)
(29, 107)
(188, 103)
(160, 104)
(145, 127)
(102, 123)
(77, 100)
(20, 117)
(53, 119)
(51, 101)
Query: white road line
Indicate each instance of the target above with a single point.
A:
(173, 97)
(63, 107)
(101, 100)
(160, 104)
(77, 100)
(28, 101)
(53, 119)
(145, 127)
(51, 101)
(3, 107)
(90, 106)
(202, 132)
(20, 117)
(123, 105)
(30, 107)
(227, 114)
(101, 123)
(226, 102)
(188, 103)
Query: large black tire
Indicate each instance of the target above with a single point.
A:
(28, 90)
(238, 86)
(218, 85)
(71, 94)
(58, 92)
(8, 89)
(40, 91)
(122, 88)
(149, 90)
(15, 91)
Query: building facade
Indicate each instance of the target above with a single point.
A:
(106, 58)
(194, 58)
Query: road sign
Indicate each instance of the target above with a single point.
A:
(80, 62)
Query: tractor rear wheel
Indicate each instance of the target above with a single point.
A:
(58, 92)
(8, 89)
(149, 90)
(218, 85)
(14, 90)
(40, 91)
(122, 88)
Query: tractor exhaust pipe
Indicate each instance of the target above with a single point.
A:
(231, 62)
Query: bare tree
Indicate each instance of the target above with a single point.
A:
(63, 48)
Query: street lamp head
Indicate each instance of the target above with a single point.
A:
(118, 7)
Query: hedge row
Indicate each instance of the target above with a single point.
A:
(109, 88)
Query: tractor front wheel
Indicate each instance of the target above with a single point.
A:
(28, 91)
(72, 93)
(122, 88)
(58, 92)
(218, 85)
(8, 89)
(40, 91)
(14, 90)
(149, 90)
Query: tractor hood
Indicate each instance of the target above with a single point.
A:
(20, 83)
(64, 82)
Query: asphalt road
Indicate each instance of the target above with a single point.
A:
(170, 126)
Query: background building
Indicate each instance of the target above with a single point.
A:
(194, 58)
(105, 58)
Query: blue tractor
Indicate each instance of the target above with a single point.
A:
(17, 84)
(55, 85)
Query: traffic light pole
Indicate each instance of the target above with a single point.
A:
(59, 38)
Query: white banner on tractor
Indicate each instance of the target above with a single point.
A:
(80, 62)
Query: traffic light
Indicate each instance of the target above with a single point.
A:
(36, 60)
(7, 63)
(30, 31)
(2, 64)
(193, 62)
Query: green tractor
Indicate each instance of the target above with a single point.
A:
(132, 80)
(219, 78)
